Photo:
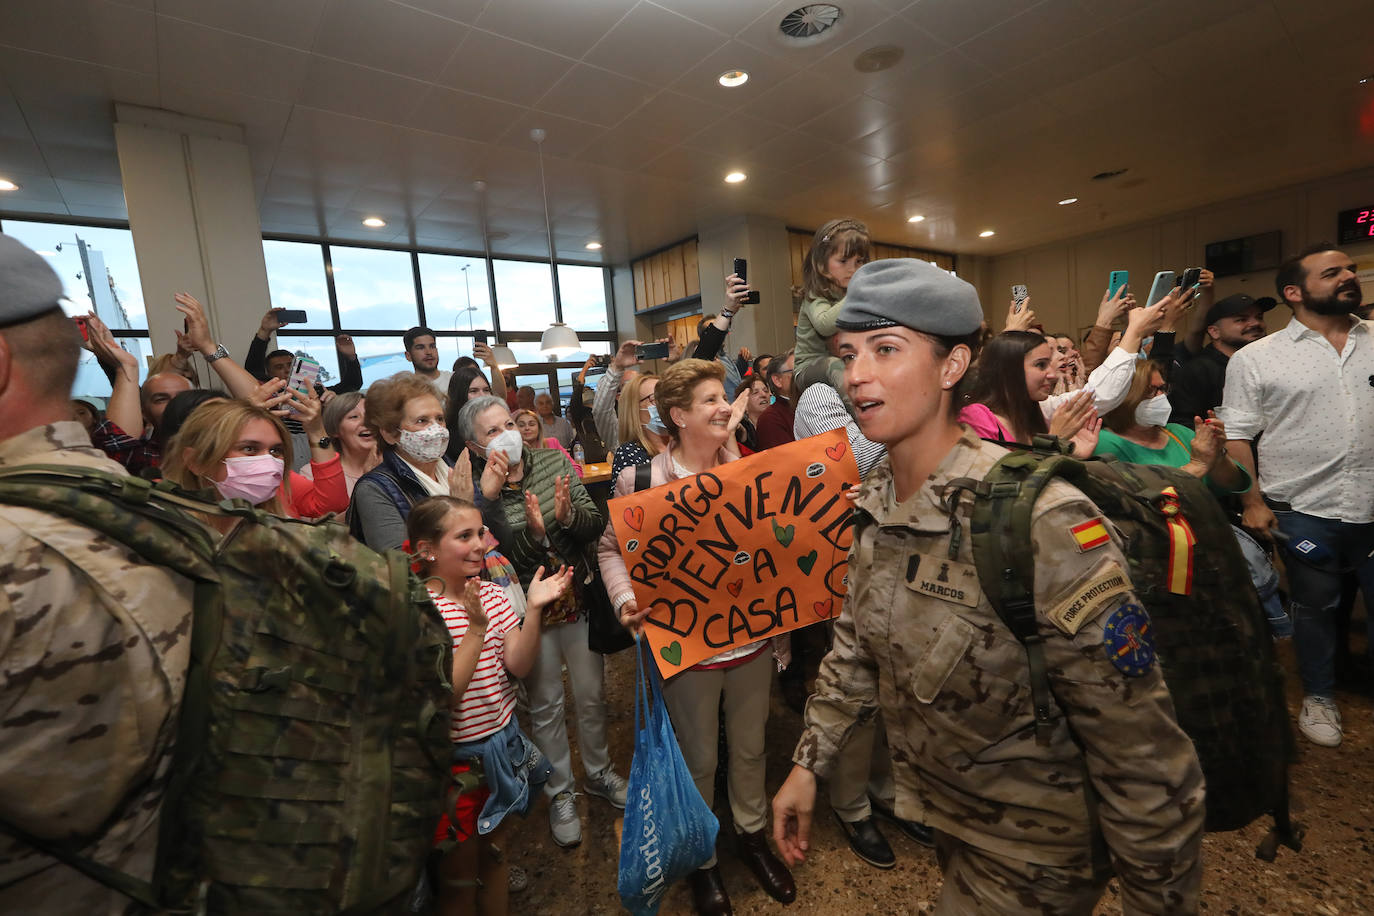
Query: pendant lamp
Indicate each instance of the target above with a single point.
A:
(559, 339)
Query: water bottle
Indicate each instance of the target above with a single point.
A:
(579, 455)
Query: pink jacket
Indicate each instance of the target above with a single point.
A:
(613, 571)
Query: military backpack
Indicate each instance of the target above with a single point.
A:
(312, 755)
(1209, 630)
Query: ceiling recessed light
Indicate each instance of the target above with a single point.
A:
(986, 234)
(918, 218)
(374, 222)
(593, 246)
(1366, 80)
(735, 177)
(7, 185)
(1068, 200)
(732, 78)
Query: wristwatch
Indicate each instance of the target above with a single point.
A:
(325, 442)
(220, 353)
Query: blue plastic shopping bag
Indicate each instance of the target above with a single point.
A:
(669, 830)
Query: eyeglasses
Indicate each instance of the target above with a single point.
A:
(1155, 391)
(649, 399)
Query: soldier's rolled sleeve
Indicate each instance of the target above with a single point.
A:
(1142, 766)
(846, 694)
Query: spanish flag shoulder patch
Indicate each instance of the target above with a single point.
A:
(1090, 535)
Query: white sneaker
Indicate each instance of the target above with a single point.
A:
(563, 820)
(1320, 721)
(609, 785)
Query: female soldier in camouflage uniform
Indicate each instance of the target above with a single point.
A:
(1020, 825)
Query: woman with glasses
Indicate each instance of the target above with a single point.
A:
(641, 430)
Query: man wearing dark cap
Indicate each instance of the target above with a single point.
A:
(94, 641)
(1231, 323)
(918, 640)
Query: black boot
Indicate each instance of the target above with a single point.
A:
(767, 868)
(708, 893)
(868, 842)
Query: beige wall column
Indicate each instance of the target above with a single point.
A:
(193, 213)
(768, 327)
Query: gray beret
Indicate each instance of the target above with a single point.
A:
(28, 286)
(914, 294)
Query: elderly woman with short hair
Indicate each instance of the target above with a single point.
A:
(701, 423)
(544, 517)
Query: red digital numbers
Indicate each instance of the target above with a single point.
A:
(1364, 216)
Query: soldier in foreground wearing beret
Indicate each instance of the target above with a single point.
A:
(94, 641)
(1020, 826)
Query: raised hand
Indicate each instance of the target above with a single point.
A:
(197, 326)
(1084, 442)
(545, 590)
(1073, 415)
(107, 350)
(562, 499)
(472, 604)
(460, 477)
(345, 346)
(271, 395)
(627, 356)
(534, 517)
(482, 353)
(271, 322)
(494, 474)
(1112, 307)
(736, 291)
(307, 410)
(1022, 320)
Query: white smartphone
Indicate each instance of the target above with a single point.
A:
(1164, 281)
(1019, 295)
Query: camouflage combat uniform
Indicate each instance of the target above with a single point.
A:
(918, 639)
(94, 644)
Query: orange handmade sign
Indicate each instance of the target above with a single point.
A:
(748, 550)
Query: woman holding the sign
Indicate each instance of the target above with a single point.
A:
(700, 422)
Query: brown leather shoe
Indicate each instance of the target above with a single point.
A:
(768, 869)
(708, 893)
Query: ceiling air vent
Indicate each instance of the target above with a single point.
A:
(810, 24)
(882, 57)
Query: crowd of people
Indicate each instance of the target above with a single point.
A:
(916, 709)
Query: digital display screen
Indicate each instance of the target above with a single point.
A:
(1355, 225)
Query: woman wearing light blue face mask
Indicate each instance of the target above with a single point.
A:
(641, 430)
(544, 517)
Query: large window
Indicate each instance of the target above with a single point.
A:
(376, 294)
(99, 274)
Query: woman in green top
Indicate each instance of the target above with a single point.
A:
(1138, 431)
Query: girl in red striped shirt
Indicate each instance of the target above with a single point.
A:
(491, 646)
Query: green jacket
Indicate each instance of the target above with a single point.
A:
(572, 543)
(815, 327)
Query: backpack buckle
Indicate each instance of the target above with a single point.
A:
(134, 490)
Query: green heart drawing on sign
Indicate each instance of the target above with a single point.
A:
(808, 562)
(672, 654)
(784, 535)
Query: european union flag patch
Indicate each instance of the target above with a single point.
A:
(1129, 639)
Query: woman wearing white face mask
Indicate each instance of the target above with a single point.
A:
(1139, 431)
(239, 450)
(406, 416)
(549, 519)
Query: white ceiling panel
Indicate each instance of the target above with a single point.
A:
(459, 10)
(499, 68)
(388, 36)
(83, 193)
(728, 17)
(288, 23)
(563, 137)
(91, 31)
(462, 114)
(702, 81)
(359, 92)
(596, 96)
(565, 28)
(1041, 28)
(190, 54)
(653, 45)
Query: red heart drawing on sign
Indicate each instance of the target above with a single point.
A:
(734, 587)
(634, 517)
(824, 608)
(836, 451)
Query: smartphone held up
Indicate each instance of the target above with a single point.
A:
(742, 271)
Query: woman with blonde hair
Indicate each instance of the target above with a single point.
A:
(239, 450)
(641, 431)
(701, 422)
(532, 434)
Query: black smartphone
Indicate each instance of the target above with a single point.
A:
(1190, 278)
(603, 361)
(652, 351)
(742, 270)
(479, 336)
(291, 316)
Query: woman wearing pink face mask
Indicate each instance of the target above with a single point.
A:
(239, 450)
